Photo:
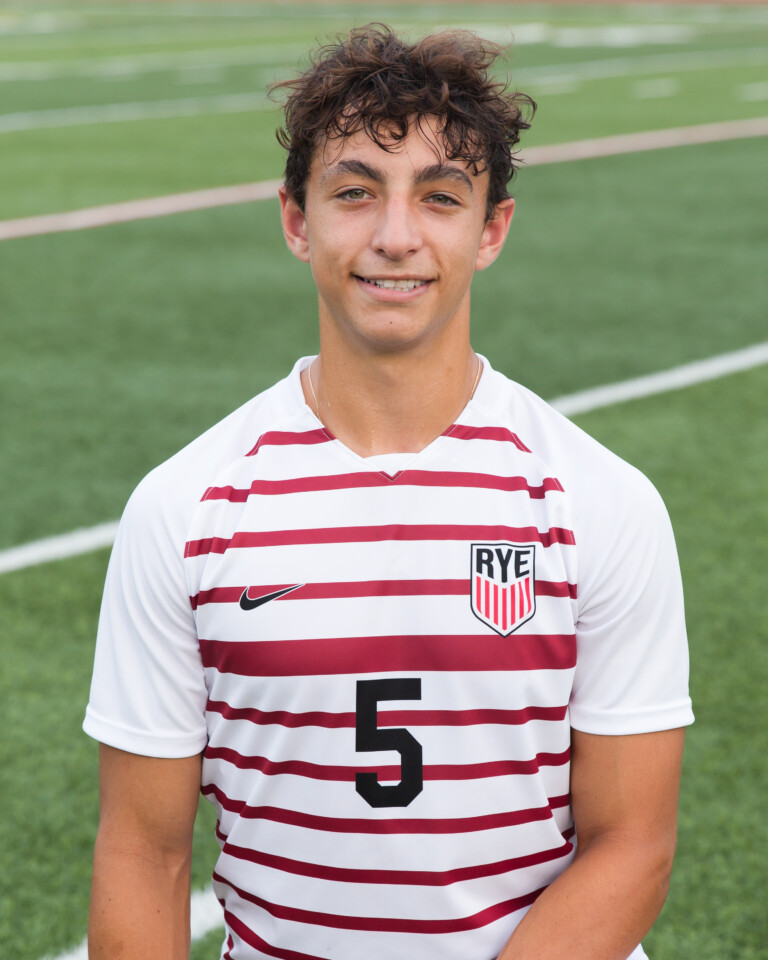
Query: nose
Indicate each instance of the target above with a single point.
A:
(396, 234)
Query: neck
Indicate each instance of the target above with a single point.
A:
(391, 402)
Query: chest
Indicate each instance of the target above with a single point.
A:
(342, 570)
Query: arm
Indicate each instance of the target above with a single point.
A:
(140, 890)
(624, 794)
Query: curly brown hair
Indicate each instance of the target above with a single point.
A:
(374, 81)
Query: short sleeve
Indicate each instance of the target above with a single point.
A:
(632, 652)
(148, 690)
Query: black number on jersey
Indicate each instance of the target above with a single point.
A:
(369, 736)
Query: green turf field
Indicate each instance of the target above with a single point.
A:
(118, 345)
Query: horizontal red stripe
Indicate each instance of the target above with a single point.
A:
(377, 534)
(197, 548)
(285, 438)
(343, 590)
(340, 590)
(385, 924)
(254, 940)
(501, 434)
(421, 878)
(490, 821)
(362, 655)
(389, 773)
(388, 718)
(554, 588)
(407, 478)
(230, 493)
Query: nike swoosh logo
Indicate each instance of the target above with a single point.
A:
(247, 604)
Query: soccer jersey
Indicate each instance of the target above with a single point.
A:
(383, 668)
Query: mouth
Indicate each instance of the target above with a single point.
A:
(405, 284)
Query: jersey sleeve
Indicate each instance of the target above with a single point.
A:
(148, 690)
(632, 653)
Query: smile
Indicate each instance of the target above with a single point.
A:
(395, 284)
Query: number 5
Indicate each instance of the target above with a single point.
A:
(369, 736)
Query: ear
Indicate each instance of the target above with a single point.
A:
(294, 225)
(495, 233)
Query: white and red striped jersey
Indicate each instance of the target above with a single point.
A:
(383, 668)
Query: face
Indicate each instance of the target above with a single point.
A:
(393, 239)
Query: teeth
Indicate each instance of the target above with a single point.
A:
(397, 284)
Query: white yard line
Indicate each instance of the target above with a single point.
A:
(675, 379)
(138, 209)
(611, 68)
(205, 913)
(752, 92)
(638, 142)
(262, 190)
(71, 544)
(259, 55)
(88, 539)
(205, 909)
(139, 110)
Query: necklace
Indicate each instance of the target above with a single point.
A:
(312, 390)
(317, 405)
(477, 377)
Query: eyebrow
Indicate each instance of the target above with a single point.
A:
(443, 171)
(430, 174)
(356, 167)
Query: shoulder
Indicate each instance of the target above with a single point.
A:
(167, 497)
(614, 511)
(597, 481)
(632, 662)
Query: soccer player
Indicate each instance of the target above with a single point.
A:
(417, 637)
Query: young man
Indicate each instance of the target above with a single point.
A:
(412, 632)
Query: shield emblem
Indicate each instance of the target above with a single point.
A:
(503, 584)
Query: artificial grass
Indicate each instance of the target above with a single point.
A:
(122, 344)
(50, 795)
(624, 266)
(68, 167)
(704, 447)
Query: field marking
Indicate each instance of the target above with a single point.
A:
(136, 110)
(205, 910)
(88, 539)
(611, 68)
(72, 544)
(752, 92)
(138, 209)
(255, 55)
(686, 375)
(142, 63)
(129, 210)
(640, 142)
(622, 35)
(656, 88)
(260, 53)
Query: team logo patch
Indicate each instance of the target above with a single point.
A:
(503, 584)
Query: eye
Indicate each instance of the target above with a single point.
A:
(354, 193)
(442, 200)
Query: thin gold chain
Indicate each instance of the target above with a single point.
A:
(317, 405)
(477, 377)
(312, 389)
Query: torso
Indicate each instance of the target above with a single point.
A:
(392, 622)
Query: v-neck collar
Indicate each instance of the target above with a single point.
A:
(419, 460)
